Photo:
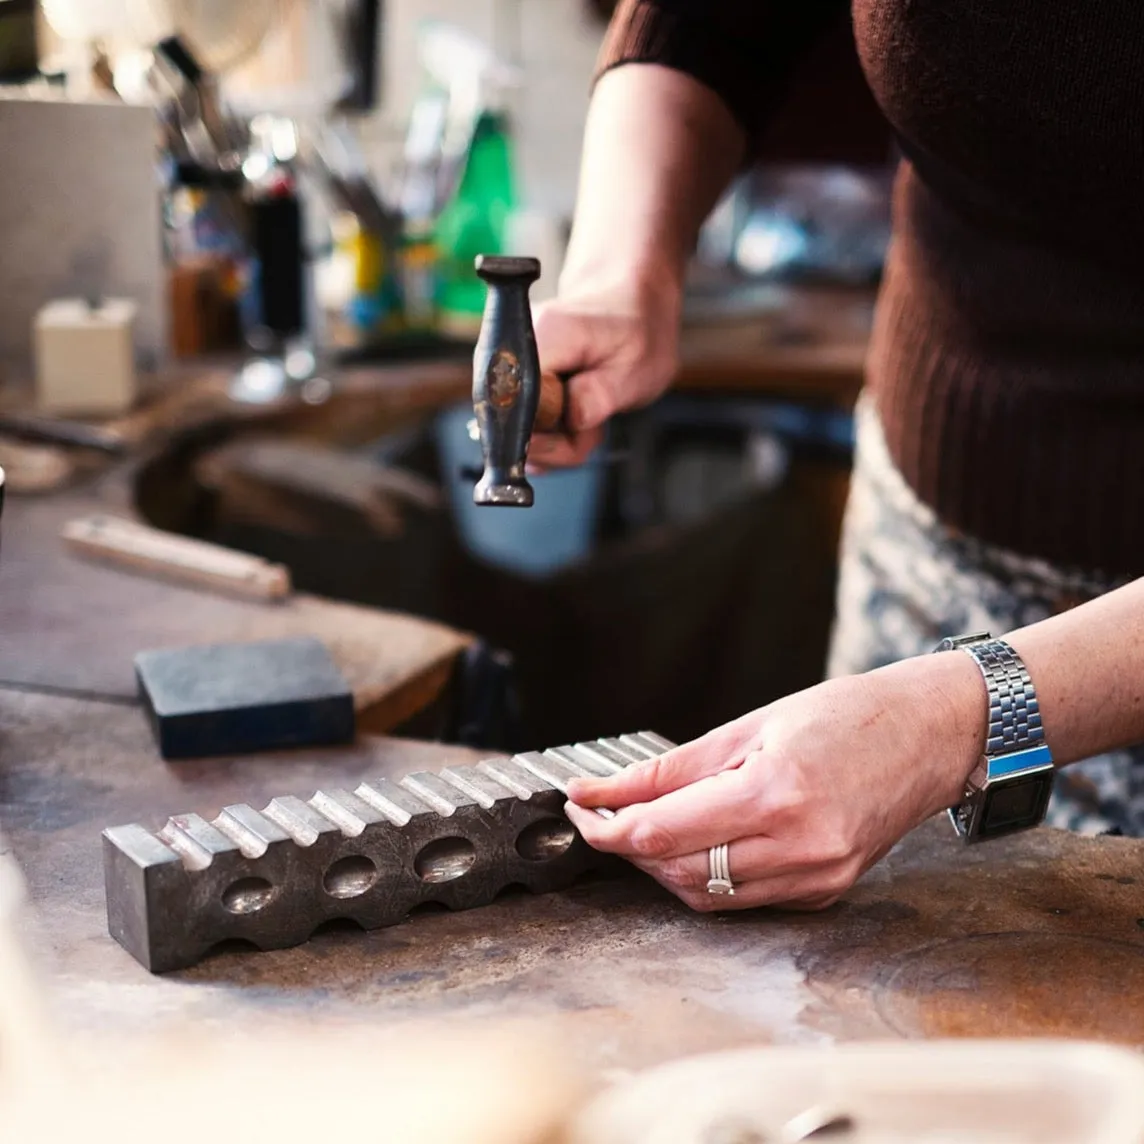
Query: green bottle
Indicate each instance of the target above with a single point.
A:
(473, 222)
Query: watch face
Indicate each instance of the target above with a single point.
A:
(1016, 803)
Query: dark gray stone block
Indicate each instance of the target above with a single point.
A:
(229, 699)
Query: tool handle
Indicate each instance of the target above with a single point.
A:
(196, 562)
(48, 431)
(550, 407)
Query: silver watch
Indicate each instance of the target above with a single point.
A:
(1010, 787)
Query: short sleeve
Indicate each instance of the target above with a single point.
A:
(743, 50)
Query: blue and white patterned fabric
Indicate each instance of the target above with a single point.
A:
(906, 580)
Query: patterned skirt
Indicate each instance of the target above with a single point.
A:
(906, 580)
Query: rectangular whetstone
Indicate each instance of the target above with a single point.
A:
(230, 699)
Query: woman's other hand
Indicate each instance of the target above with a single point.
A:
(809, 791)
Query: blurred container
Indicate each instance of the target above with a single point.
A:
(560, 528)
(85, 356)
(472, 223)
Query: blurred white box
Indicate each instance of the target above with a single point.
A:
(85, 356)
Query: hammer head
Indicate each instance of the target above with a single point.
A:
(506, 380)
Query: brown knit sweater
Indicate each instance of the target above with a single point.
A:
(1007, 359)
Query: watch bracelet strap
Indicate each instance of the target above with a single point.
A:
(1014, 712)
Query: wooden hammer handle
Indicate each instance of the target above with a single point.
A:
(550, 407)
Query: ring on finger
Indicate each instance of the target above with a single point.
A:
(719, 864)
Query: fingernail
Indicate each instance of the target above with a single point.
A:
(578, 788)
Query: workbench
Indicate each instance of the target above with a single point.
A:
(1041, 934)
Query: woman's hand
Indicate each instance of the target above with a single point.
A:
(619, 346)
(660, 147)
(809, 792)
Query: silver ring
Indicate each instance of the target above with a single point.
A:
(720, 866)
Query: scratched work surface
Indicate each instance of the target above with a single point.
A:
(1039, 935)
(68, 623)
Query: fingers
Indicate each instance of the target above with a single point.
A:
(720, 750)
(799, 890)
(694, 817)
(562, 451)
(750, 860)
(793, 873)
(645, 782)
(572, 344)
(562, 337)
(591, 398)
(611, 365)
(764, 871)
(589, 402)
(795, 894)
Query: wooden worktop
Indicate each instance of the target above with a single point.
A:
(72, 626)
(1041, 934)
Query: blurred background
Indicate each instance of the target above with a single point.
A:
(279, 202)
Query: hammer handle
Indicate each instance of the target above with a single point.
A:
(550, 407)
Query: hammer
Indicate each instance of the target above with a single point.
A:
(511, 396)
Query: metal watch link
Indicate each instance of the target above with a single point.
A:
(1009, 789)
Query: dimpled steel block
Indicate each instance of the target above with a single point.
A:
(271, 877)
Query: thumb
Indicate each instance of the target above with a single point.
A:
(566, 347)
(562, 338)
(590, 400)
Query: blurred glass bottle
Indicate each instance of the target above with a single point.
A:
(475, 188)
(474, 222)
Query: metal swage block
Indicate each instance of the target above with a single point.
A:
(271, 877)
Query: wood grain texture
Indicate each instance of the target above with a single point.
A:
(550, 406)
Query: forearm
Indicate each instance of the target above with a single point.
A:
(1087, 665)
(659, 150)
